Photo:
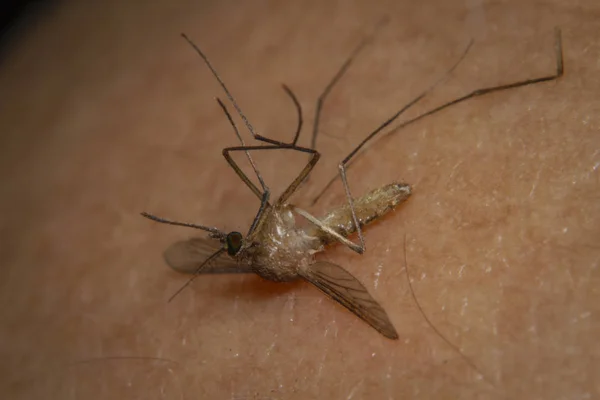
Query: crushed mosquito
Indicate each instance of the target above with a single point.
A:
(278, 250)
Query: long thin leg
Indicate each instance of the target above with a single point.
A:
(291, 188)
(338, 76)
(234, 165)
(229, 95)
(334, 80)
(342, 165)
(214, 231)
(360, 248)
(353, 156)
(292, 96)
(276, 144)
(265, 194)
(294, 185)
(326, 228)
(280, 146)
(216, 75)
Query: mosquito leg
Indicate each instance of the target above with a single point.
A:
(338, 76)
(264, 195)
(292, 96)
(360, 248)
(230, 96)
(277, 146)
(326, 228)
(291, 189)
(353, 156)
(334, 80)
(234, 165)
(274, 143)
(236, 168)
(346, 160)
(261, 195)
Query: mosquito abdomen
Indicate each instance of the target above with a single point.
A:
(368, 208)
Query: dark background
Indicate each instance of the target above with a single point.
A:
(16, 15)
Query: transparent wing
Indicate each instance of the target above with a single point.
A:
(187, 255)
(344, 288)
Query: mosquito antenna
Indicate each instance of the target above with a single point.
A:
(197, 272)
(237, 133)
(214, 231)
(436, 330)
(216, 75)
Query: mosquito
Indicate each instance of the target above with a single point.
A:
(274, 247)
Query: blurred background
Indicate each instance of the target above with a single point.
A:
(106, 112)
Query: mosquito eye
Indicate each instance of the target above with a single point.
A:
(233, 243)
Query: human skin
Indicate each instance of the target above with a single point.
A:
(107, 112)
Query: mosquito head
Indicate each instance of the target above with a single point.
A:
(233, 243)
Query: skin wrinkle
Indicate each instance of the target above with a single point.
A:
(84, 151)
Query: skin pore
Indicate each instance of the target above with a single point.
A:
(107, 112)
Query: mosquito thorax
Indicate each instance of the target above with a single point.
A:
(233, 243)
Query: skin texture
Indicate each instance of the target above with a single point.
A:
(107, 112)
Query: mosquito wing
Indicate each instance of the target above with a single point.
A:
(187, 255)
(344, 288)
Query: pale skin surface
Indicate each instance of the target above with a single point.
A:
(107, 112)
